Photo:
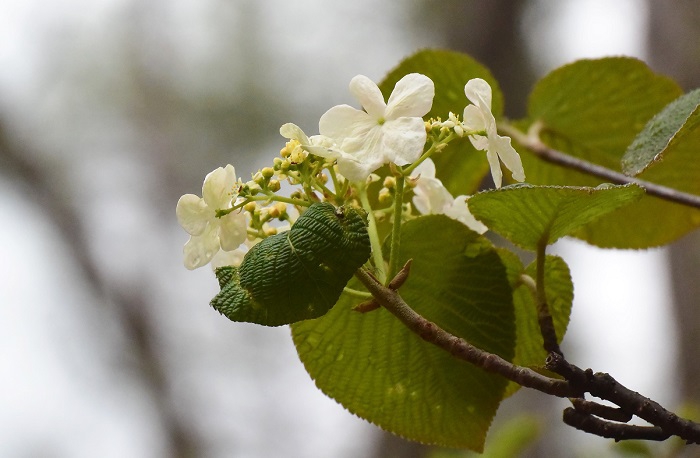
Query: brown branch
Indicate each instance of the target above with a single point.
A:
(599, 410)
(604, 386)
(460, 348)
(618, 431)
(533, 144)
(585, 415)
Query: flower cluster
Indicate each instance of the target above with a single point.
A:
(231, 216)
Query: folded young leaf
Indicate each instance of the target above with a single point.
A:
(529, 215)
(298, 274)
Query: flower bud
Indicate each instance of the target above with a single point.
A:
(267, 172)
(281, 208)
(385, 196)
(273, 185)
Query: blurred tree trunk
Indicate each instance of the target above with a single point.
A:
(674, 49)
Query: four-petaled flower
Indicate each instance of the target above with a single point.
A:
(431, 197)
(478, 117)
(197, 216)
(384, 132)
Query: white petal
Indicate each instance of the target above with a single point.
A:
(193, 214)
(217, 190)
(412, 96)
(459, 210)
(366, 91)
(403, 140)
(509, 157)
(431, 197)
(425, 169)
(228, 258)
(342, 121)
(473, 118)
(495, 165)
(233, 230)
(294, 132)
(200, 249)
(355, 170)
(478, 92)
(322, 146)
(480, 142)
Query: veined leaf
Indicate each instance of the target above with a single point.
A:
(528, 215)
(593, 109)
(661, 138)
(379, 370)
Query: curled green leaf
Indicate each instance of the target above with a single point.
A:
(298, 274)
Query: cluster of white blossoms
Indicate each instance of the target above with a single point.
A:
(352, 144)
(197, 215)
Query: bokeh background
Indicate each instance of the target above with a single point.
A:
(112, 109)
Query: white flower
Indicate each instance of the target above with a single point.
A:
(431, 197)
(197, 216)
(384, 132)
(316, 144)
(479, 117)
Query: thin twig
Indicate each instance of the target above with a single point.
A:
(532, 142)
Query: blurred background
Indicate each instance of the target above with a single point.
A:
(112, 109)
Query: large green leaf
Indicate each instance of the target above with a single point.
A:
(593, 109)
(528, 215)
(460, 167)
(296, 275)
(379, 370)
(559, 290)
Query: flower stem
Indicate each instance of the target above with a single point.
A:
(356, 293)
(276, 198)
(396, 228)
(373, 234)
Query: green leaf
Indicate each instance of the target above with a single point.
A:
(666, 151)
(593, 109)
(600, 104)
(665, 130)
(559, 290)
(379, 370)
(298, 274)
(528, 215)
(460, 167)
